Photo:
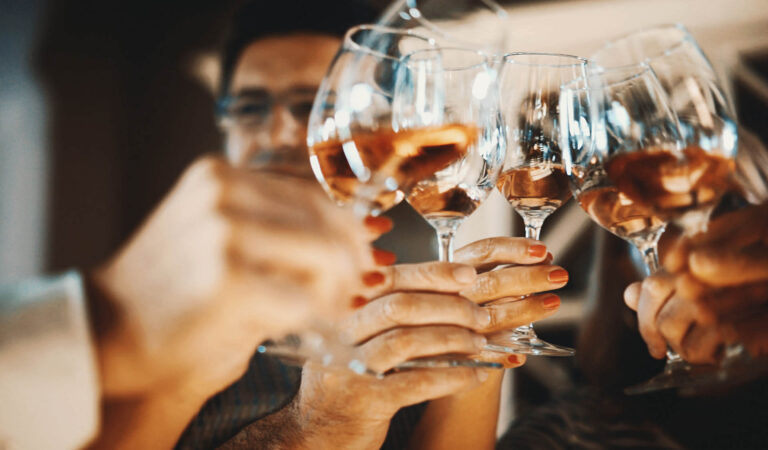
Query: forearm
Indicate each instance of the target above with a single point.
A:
(465, 420)
(153, 421)
(300, 427)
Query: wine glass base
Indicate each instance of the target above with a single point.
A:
(527, 346)
(439, 362)
(293, 355)
(732, 373)
(677, 374)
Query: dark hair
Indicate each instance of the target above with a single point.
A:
(261, 18)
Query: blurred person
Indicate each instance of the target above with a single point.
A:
(270, 72)
(175, 314)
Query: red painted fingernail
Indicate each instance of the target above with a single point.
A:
(513, 359)
(558, 276)
(550, 257)
(373, 278)
(550, 302)
(359, 301)
(383, 257)
(379, 225)
(537, 251)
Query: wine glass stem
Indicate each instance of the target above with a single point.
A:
(445, 237)
(532, 231)
(650, 252)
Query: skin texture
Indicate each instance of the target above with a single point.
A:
(180, 308)
(713, 291)
(416, 311)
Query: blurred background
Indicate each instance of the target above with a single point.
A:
(103, 104)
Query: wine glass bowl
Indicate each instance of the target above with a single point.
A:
(690, 183)
(354, 152)
(452, 90)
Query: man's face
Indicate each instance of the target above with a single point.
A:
(271, 93)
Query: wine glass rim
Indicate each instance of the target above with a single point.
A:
(577, 60)
(380, 28)
(687, 38)
(484, 58)
(413, 6)
(641, 70)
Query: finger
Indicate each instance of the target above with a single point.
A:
(507, 361)
(735, 229)
(729, 267)
(508, 315)
(703, 345)
(383, 257)
(750, 332)
(728, 304)
(412, 309)
(377, 226)
(488, 253)
(432, 276)
(675, 320)
(656, 290)
(417, 386)
(674, 257)
(394, 347)
(516, 281)
(632, 295)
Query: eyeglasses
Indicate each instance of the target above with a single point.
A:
(254, 107)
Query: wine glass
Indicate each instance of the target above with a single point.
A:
(476, 24)
(533, 179)
(453, 90)
(687, 188)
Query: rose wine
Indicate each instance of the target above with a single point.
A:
(615, 212)
(431, 202)
(535, 188)
(671, 185)
(405, 157)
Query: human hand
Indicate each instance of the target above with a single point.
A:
(227, 259)
(713, 291)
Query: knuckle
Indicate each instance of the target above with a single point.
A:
(487, 284)
(398, 307)
(400, 341)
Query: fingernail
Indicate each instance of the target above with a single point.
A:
(483, 317)
(558, 276)
(464, 274)
(373, 278)
(482, 375)
(383, 257)
(550, 257)
(480, 341)
(537, 251)
(378, 224)
(550, 302)
(513, 359)
(359, 301)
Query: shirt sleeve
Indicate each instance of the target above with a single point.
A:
(48, 381)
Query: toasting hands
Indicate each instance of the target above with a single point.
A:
(713, 291)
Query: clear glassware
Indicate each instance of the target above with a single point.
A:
(533, 178)
(453, 89)
(476, 24)
(364, 158)
(703, 171)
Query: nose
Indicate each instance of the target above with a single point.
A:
(286, 130)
